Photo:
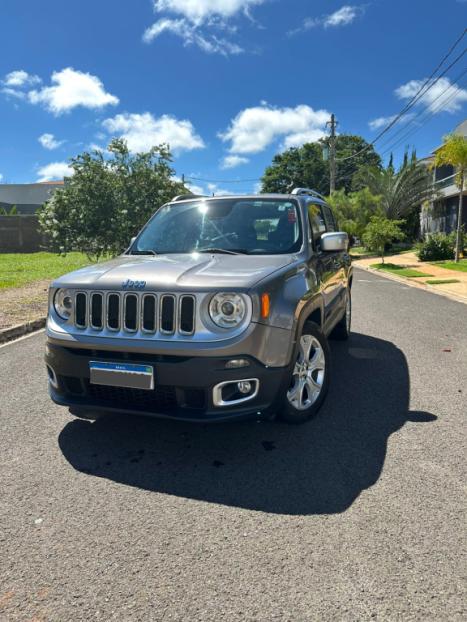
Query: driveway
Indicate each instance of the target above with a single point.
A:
(358, 515)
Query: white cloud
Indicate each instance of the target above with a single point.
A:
(1, 177)
(143, 131)
(20, 78)
(196, 21)
(375, 124)
(191, 35)
(70, 89)
(442, 96)
(254, 129)
(48, 141)
(231, 161)
(342, 17)
(54, 170)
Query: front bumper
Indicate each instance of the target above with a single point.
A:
(183, 385)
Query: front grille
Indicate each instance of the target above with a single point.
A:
(160, 399)
(133, 312)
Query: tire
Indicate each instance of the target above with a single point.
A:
(341, 331)
(309, 377)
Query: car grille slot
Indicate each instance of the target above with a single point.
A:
(149, 313)
(167, 314)
(80, 310)
(187, 315)
(113, 311)
(131, 312)
(96, 311)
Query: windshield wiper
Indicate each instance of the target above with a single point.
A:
(227, 251)
(146, 252)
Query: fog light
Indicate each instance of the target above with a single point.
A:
(237, 363)
(244, 386)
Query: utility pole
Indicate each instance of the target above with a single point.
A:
(332, 154)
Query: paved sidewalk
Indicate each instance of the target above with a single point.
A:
(410, 260)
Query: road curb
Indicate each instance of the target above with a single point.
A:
(412, 283)
(8, 334)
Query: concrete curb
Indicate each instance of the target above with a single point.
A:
(8, 334)
(413, 283)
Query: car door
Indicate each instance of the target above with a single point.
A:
(327, 265)
(338, 262)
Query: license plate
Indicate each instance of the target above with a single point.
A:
(122, 375)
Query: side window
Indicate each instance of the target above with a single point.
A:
(329, 218)
(317, 222)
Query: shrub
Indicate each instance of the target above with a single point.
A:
(381, 231)
(436, 247)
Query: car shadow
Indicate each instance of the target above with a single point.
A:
(317, 468)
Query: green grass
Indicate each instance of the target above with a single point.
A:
(442, 281)
(18, 269)
(452, 265)
(399, 270)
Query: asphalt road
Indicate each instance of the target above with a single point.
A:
(358, 515)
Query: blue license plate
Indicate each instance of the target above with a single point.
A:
(126, 375)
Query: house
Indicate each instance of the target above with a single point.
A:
(441, 214)
(21, 233)
(26, 197)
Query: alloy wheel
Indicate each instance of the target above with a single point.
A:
(308, 374)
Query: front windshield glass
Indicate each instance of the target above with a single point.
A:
(251, 226)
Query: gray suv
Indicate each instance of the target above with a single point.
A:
(220, 309)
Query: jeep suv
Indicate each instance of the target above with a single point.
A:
(220, 309)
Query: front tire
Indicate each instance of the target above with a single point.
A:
(309, 377)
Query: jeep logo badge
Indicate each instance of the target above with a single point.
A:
(129, 284)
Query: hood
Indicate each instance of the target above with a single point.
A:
(166, 272)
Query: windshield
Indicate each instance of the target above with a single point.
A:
(250, 226)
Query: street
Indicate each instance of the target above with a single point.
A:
(357, 515)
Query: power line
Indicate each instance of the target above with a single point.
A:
(427, 114)
(425, 87)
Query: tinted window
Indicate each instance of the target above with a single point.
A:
(317, 222)
(329, 218)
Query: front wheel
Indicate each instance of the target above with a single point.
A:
(309, 378)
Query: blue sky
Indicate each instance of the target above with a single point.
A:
(228, 83)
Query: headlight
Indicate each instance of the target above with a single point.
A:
(63, 303)
(227, 310)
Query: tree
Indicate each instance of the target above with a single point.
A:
(108, 199)
(454, 153)
(401, 192)
(305, 166)
(354, 210)
(13, 211)
(381, 231)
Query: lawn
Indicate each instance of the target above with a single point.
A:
(452, 265)
(399, 270)
(18, 269)
(442, 281)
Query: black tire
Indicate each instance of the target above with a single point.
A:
(298, 412)
(341, 331)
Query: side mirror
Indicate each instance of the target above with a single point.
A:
(334, 241)
(132, 240)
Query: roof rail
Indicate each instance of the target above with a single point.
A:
(184, 197)
(307, 191)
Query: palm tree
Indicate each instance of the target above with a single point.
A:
(454, 153)
(403, 191)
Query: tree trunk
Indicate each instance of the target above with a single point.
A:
(459, 221)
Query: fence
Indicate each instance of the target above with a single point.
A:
(20, 234)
